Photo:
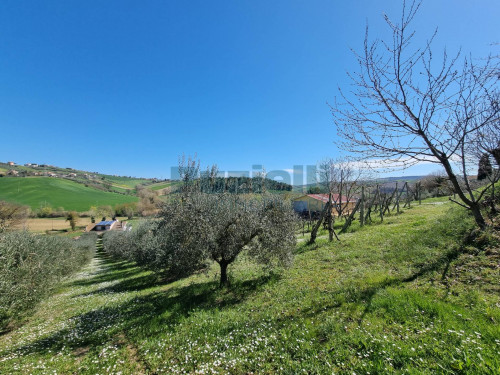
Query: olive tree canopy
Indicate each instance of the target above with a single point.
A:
(219, 227)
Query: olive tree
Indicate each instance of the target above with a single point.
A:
(407, 106)
(219, 227)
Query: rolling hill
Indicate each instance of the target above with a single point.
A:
(56, 192)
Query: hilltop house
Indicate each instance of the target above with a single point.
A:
(11, 163)
(316, 202)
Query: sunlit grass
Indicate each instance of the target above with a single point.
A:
(404, 296)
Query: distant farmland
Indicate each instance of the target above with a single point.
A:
(56, 192)
(164, 185)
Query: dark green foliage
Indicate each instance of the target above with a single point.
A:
(242, 185)
(32, 264)
(485, 169)
(314, 190)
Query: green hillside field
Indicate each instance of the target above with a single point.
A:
(124, 182)
(56, 192)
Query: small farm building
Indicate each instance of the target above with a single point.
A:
(106, 225)
(316, 203)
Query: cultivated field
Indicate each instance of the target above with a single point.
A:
(39, 191)
(58, 223)
(124, 182)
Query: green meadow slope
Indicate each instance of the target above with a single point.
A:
(56, 192)
(412, 295)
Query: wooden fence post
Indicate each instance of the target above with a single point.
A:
(419, 193)
(397, 198)
(362, 207)
(351, 216)
(408, 196)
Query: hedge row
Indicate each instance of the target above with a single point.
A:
(32, 264)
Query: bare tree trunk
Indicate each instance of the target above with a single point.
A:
(314, 231)
(329, 217)
(472, 205)
(397, 198)
(493, 207)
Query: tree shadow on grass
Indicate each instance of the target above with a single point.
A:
(442, 262)
(131, 283)
(365, 296)
(111, 270)
(166, 309)
(306, 247)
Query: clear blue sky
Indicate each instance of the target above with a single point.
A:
(124, 87)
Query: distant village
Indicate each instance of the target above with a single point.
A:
(44, 170)
(12, 169)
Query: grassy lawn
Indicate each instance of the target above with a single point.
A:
(56, 192)
(398, 297)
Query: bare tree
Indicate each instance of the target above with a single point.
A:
(208, 180)
(340, 178)
(406, 108)
(189, 172)
(149, 202)
(328, 174)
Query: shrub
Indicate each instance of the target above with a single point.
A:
(126, 209)
(72, 218)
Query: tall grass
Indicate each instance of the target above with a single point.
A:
(32, 264)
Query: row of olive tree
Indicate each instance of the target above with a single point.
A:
(32, 264)
(197, 228)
